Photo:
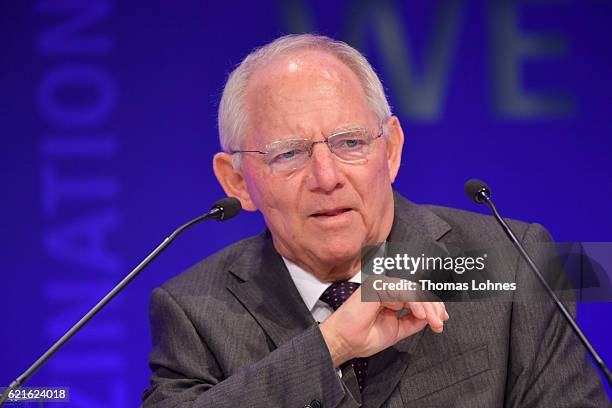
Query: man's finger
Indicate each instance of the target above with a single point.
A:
(409, 325)
(445, 315)
(433, 316)
(393, 305)
(417, 309)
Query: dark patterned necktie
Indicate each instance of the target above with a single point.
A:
(335, 295)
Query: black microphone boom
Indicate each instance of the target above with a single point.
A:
(480, 193)
(222, 210)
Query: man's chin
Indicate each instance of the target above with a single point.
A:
(338, 254)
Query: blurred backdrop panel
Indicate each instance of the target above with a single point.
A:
(108, 122)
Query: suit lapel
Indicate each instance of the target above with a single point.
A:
(265, 288)
(411, 224)
(415, 223)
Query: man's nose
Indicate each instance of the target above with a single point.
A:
(324, 172)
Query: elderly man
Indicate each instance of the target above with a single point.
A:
(309, 140)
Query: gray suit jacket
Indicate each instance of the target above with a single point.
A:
(233, 331)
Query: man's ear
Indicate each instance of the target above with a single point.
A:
(231, 180)
(395, 144)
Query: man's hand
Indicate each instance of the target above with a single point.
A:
(361, 329)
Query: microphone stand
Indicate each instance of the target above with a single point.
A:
(483, 196)
(217, 212)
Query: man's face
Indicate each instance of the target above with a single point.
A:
(321, 214)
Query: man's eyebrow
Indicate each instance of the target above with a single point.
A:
(347, 128)
(342, 129)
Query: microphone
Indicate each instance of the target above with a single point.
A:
(477, 190)
(480, 193)
(222, 210)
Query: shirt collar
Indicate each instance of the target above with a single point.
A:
(308, 285)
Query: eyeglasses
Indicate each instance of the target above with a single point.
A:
(351, 146)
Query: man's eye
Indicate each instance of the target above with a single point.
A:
(351, 144)
(289, 154)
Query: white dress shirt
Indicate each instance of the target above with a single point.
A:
(311, 289)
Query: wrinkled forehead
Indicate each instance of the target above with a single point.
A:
(304, 93)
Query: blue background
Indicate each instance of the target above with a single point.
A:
(108, 121)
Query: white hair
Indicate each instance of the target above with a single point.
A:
(233, 115)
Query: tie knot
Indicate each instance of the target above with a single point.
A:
(338, 292)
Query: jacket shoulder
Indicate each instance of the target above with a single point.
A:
(211, 273)
(474, 227)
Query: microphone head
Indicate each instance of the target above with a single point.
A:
(477, 190)
(228, 207)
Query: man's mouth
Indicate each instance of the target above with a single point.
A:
(331, 213)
